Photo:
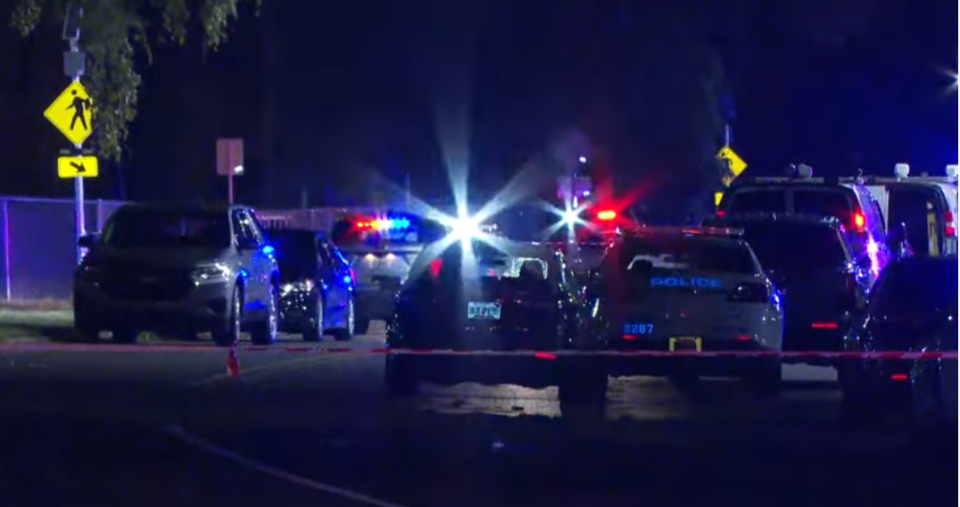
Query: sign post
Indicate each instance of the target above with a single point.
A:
(229, 162)
(72, 114)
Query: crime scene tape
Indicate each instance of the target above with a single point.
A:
(550, 354)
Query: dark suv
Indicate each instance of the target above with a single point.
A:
(182, 269)
(822, 281)
(847, 201)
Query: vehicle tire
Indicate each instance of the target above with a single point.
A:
(398, 377)
(122, 335)
(230, 335)
(361, 322)
(315, 333)
(582, 383)
(346, 333)
(765, 378)
(86, 329)
(264, 332)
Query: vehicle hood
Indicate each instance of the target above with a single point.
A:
(154, 258)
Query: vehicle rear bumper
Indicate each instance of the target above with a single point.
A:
(375, 303)
(664, 364)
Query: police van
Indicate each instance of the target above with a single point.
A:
(925, 205)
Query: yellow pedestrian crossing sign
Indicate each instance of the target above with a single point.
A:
(735, 165)
(72, 113)
(77, 166)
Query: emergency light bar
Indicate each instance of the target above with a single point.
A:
(385, 224)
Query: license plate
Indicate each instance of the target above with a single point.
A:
(686, 343)
(476, 310)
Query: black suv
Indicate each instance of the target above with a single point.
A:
(821, 279)
(183, 269)
(848, 201)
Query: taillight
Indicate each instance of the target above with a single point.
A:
(859, 221)
(721, 212)
(606, 215)
(949, 225)
(750, 293)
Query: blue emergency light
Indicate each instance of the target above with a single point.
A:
(393, 224)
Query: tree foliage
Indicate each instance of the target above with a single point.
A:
(112, 34)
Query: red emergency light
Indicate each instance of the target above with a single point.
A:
(606, 215)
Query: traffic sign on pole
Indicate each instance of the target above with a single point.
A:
(78, 166)
(71, 112)
(735, 164)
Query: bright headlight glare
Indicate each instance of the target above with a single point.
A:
(570, 216)
(464, 228)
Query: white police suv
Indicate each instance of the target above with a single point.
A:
(682, 294)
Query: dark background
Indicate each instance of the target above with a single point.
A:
(326, 94)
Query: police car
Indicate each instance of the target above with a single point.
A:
(380, 249)
(925, 205)
(691, 290)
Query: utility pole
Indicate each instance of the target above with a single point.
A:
(74, 64)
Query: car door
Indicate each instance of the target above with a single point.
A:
(254, 261)
(336, 278)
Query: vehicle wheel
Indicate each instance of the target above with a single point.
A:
(315, 333)
(125, 335)
(361, 323)
(582, 384)
(86, 329)
(398, 377)
(765, 378)
(346, 333)
(858, 408)
(265, 331)
(230, 336)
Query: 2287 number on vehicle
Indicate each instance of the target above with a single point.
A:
(638, 328)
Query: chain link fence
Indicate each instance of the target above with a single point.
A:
(38, 245)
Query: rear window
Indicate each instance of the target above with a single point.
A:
(779, 245)
(917, 287)
(695, 254)
(913, 207)
(823, 202)
(294, 248)
(758, 201)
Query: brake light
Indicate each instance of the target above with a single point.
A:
(824, 325)
(721, 213)
(606, 215)
(435, 266)
(750, 293)
(949, 225)
(859, 221)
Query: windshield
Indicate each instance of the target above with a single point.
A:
(779, 245)
(295, 249)
(683, 253)
(917, 288)
(167, 228)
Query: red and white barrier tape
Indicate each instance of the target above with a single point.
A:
(541, 354)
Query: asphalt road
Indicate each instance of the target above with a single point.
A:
(154, 426)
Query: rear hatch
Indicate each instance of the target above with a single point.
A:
(380, 268)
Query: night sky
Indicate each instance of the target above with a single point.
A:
(326, 93)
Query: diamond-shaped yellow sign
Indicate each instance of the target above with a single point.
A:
(72, 113)
(735, 165)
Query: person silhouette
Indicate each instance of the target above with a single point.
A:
(79, 106)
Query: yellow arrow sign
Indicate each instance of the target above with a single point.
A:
(80, 166)
(735, 165)
(72, 113)
(717, 197)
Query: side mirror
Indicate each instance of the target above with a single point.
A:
(87, 240)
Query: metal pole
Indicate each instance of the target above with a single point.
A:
(78, 181)
(230, 187)
(6, 249)
(726, 135)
